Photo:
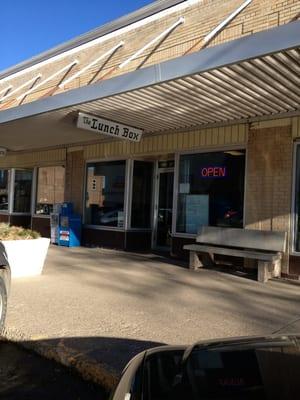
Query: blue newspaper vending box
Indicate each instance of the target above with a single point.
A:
(66, 209)
(69, 230)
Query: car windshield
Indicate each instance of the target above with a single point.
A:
(264, 371)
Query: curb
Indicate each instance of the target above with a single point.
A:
(86, 367)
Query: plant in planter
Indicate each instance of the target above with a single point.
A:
(26, 250)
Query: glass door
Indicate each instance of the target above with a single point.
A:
(163, 210)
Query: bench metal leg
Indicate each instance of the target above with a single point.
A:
(195, 261)
(263, 273)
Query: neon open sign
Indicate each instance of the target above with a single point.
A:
(213, 172)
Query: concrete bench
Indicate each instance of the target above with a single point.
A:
(266, 247)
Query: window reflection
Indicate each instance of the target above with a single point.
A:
(3, 190)
(50, 188)
(211, 190)
(22, 190)
(105, 193)
(141, 194)
(297, 201)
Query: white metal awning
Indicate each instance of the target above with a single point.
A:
(256, 77)
(261, 87)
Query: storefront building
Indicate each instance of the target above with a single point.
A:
(185, 113)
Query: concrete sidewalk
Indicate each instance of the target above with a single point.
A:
(94, 309)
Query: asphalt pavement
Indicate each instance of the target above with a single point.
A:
(94, 309)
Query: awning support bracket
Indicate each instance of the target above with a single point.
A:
(218, 28)
(5, 90)
(17, 89)
(88, 66)
(140, 51)
(69, 66)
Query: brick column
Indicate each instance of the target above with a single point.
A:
(75, 179)
(269, 181)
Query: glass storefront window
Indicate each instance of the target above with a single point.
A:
(297, 201)
(50, 188)
(3, 190)
(141, 194)
(105, 187)
(22, 190)
(210, 190)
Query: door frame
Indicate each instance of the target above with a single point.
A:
(157, 173)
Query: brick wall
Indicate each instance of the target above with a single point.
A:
(75, 179)
(269, 180)
(200, 19)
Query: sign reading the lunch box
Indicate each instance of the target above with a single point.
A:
(110, 128)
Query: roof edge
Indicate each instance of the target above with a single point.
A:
(128, 19)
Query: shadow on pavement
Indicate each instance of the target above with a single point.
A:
(26, 375)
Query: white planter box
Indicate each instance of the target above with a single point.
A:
(26, 257)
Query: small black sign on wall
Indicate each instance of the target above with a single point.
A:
(166, 164)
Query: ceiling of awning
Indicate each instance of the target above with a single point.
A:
(260, 87)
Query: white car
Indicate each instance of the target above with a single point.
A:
(4, 285)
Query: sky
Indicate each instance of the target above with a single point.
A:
(29, 27)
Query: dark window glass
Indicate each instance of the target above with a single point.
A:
(141, 194)
(210, 190)
(165, 209)
(105, 193)
(50, 188)
(22, 190)
(3, 189)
